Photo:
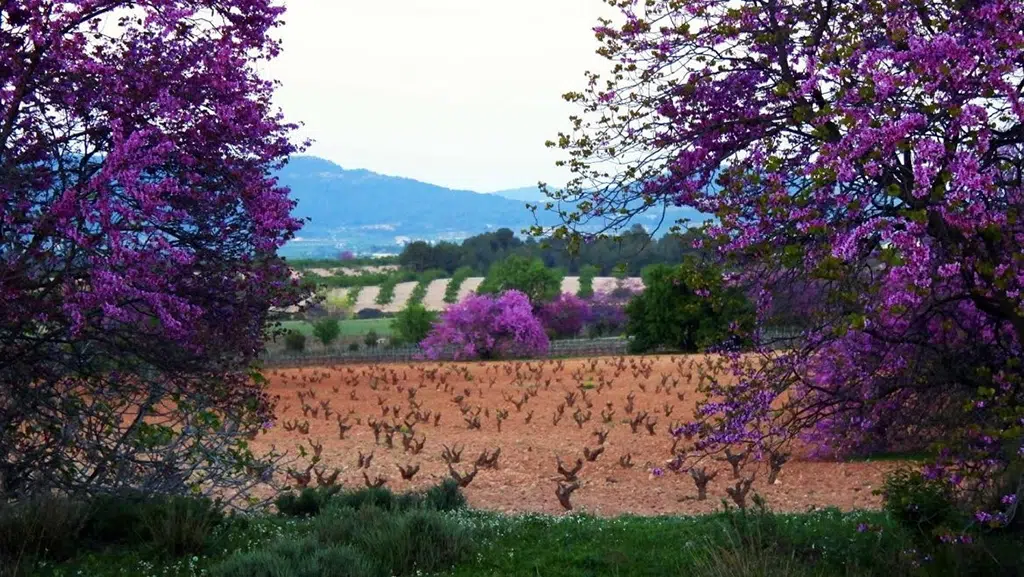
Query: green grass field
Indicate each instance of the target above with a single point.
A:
(349, 327)
(825, 543)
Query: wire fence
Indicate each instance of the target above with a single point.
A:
(595, 347)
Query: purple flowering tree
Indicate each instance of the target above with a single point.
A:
(487, 327)
(139, 224)
(874, 154)
(608, 314)
(565, 316)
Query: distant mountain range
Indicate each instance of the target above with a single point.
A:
(366, 212)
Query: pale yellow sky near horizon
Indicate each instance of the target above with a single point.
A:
(460, 93)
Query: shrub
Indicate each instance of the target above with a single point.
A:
(307, 503)
(327, 330)
(180, 525)
(312, 501)
(413, 323)
(400, 542)
(295, 341)
(353, 347)
(378, 497)
(565, 316)
(369, 314)
(298, 558)
(587, 274)
(444, 497)
(55, 528)
(371, 338)
(387, 291)
(488, 327)
(42, 527)
(920, 504)
(451, 292)
(336, 304)
(115, 518)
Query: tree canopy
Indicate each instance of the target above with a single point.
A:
(138, 235)
(870, 151)
(633, 250)
(686, 307)
(528, 276)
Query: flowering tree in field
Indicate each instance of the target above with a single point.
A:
(607, 314)
(487, 327)
(565, 316)
(139, 226)
(870, 150)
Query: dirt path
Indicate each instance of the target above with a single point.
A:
(524, 478)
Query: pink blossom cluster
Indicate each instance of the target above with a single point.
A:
(487, 327)
(565, 316)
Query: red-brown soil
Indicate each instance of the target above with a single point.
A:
(525, 477)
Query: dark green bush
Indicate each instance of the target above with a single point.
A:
(312, 501)
(306, 503)
(115, 518)
(444, 497)
(371, 338)
(43, 527)
(57, 528)
(379, 497)
(353, 347)
(327, 330)
(295, 341)
(298, 558)
(920, 504)
(400, 542)
(180, 525)
(413, 323)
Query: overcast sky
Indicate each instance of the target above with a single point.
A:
(461, 93)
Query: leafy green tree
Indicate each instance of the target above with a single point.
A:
(371, 338)
(529, 276)
(451, 292)
(413, 323)
(587, 274)
(417, 256)
(295, 341)
(327, 330)
(686, 307)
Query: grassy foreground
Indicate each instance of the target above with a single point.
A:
(373, 533)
